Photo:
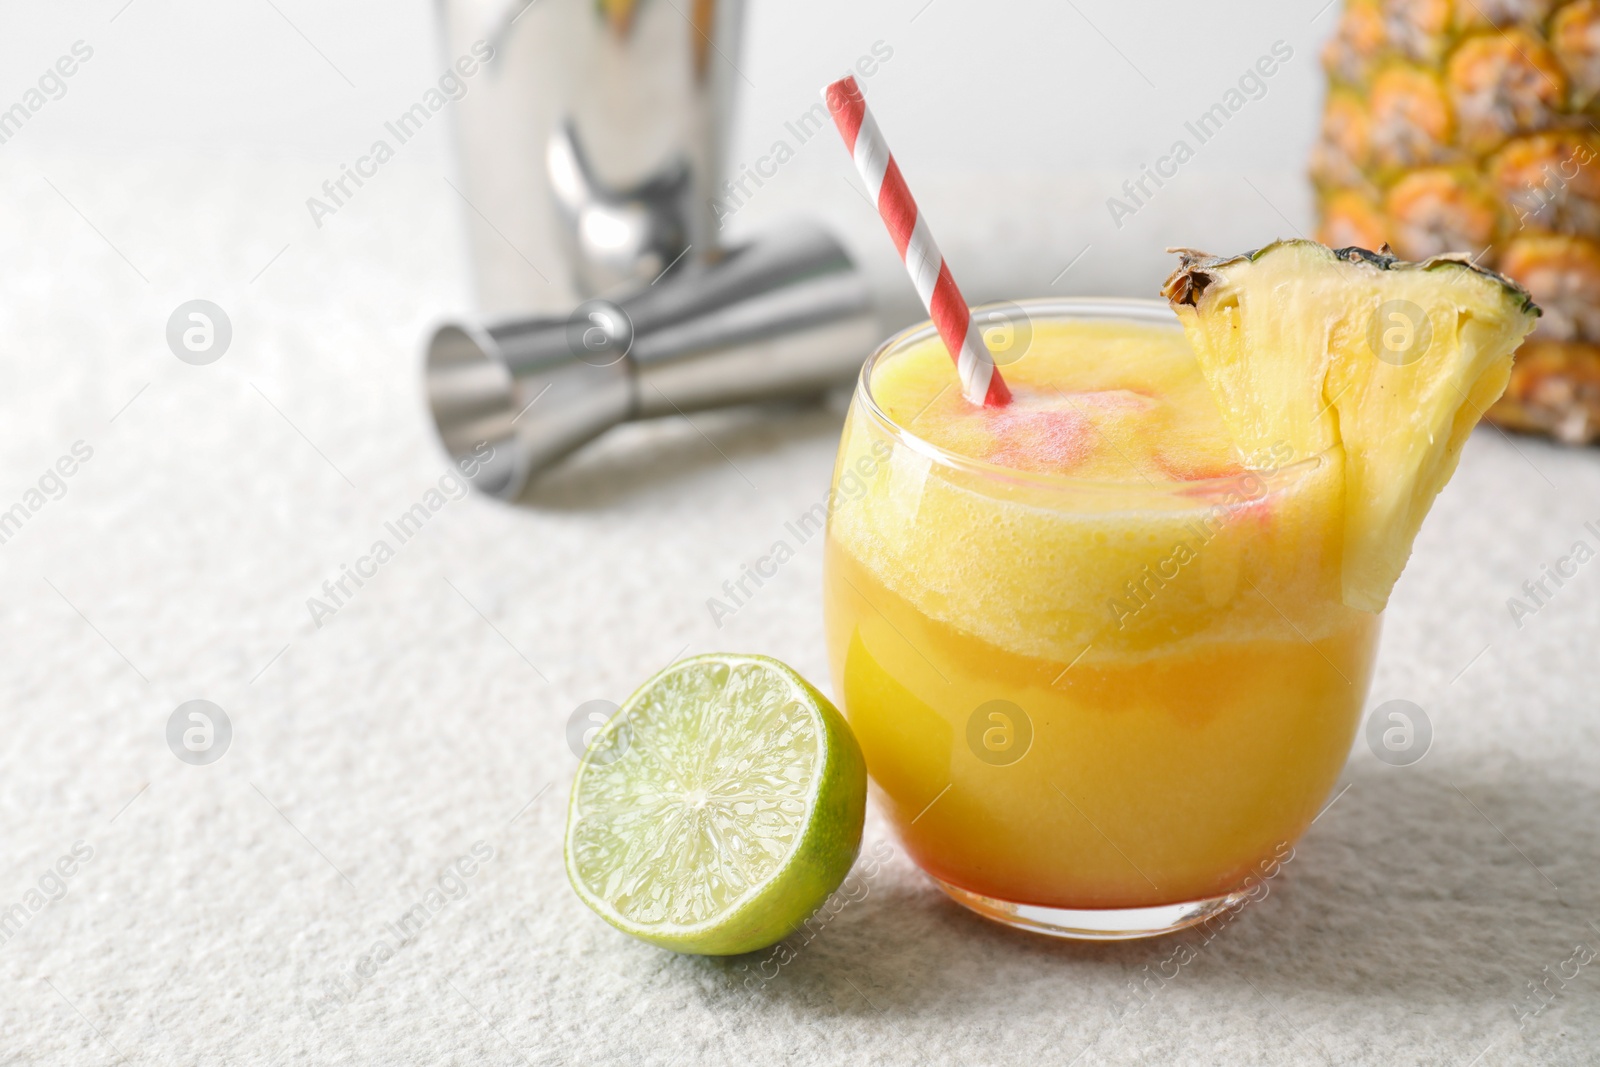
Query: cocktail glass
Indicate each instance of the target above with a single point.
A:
(1092, 709)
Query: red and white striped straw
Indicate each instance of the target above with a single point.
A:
(980, 381)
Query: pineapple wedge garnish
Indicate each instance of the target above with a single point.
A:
(1394, 362)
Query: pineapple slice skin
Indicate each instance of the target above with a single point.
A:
(1197, 270)
(1473, 126)
(1291, 338)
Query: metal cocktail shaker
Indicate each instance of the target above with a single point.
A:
(591, 149)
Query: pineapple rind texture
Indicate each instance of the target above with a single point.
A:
(1473, 126)
(1555, 390)
(1388, 361)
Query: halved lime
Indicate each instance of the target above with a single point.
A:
(717, 808)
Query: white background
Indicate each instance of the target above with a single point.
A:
(1014, 122)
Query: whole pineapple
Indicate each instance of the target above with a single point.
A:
(1474, 126)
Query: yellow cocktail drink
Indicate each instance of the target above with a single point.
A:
(1095, 655)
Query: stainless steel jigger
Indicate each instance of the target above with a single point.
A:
(784, 316)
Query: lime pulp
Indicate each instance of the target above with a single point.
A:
(717, 808)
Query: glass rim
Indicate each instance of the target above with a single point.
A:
(1135, 309)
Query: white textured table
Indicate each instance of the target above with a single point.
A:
(225, 910)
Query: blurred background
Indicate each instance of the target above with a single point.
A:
(1014, 131)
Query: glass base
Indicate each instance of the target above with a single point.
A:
(1094, 924)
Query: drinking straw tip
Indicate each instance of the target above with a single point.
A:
(846, 89)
